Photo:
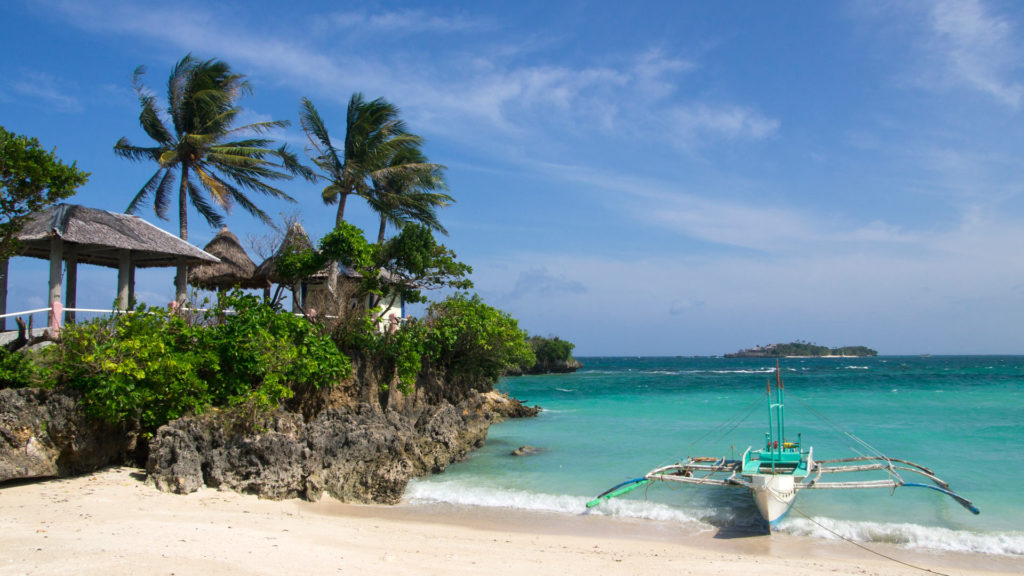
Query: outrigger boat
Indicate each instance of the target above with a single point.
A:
(776, 473)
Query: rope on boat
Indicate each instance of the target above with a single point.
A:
(735, 421)
(863, 547)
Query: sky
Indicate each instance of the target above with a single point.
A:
(657, 178)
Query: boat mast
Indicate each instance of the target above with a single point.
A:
(781, 395)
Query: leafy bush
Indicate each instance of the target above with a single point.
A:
(551, 349)
(22, 369)
(474, 341)
(144, 366)
(263, 352)
(152, 366)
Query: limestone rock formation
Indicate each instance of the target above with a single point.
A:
(44, 434)
(354, 454)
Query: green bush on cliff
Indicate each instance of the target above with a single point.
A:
(152, 366)
(473, 341)
(144, 366)
(21, 369)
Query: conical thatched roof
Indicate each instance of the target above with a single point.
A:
(99, 237)
(295, 238)
(234, 269)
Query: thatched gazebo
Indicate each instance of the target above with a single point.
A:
(235, 269)
(75, 234)
(294, 239)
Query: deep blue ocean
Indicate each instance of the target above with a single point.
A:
(617, 418)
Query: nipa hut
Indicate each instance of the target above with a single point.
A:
(235, 269)
(294, 239)
(73, 234)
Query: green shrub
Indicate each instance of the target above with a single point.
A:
(22, 369)
(152, 367)
(144, 366)
(263, 352)
(474, 341)
(551, 349)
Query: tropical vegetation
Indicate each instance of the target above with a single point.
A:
(377, 149)
(150, 366)
(31, 179)
(204, 150)
(801, 348)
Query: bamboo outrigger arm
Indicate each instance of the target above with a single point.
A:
(881, 463)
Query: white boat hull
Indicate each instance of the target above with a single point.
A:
(774, 495)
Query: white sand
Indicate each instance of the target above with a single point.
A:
(112, 523)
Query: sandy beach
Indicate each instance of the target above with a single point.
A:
(112, 522)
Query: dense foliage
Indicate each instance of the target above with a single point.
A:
(151, 366)
(472, 340)
(32, 179)
(551, 349)
(464, 339)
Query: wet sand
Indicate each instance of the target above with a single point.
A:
(112, 522)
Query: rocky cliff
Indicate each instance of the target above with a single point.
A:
(355, 442)
(43, 434)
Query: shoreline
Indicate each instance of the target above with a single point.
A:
(111, 522)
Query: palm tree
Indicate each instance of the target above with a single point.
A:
(373, 134)
(411, 194)
(204, 150)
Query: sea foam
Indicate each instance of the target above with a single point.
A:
(463, 494)
(912, 536)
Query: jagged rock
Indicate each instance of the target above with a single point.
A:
(555, 367)
(503, 406)
(43, 434)
(355, 454)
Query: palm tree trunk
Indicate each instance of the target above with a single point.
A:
(383, 227)
(180, 281)
(341, 208)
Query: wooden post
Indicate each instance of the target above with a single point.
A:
(131, 281)
(124, 262)
(181, 283)
(56, 259)
(4, 266)
(72, 284)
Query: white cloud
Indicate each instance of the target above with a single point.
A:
(460, 94)
(692, 124)
(979, 48)
(408, 21)
(53, 92)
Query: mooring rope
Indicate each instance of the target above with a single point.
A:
(863, 547)
(735, 421)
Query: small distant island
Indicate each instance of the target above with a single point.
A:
(802, 349)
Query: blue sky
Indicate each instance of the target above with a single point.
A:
(659, 178)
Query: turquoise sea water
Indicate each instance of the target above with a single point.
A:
(963, 417)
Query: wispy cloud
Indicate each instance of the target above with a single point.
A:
(461, 93)
(53, 92)
(540, 281)
(698, 122)
(408, 21)
(979, 48)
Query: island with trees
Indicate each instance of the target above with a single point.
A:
(800, 349)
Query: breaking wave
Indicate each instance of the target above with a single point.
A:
(912, 536)
(463, 494)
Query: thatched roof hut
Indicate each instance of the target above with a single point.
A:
(235, 268)
(69, 234)
(99, 237)
(294, 239)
